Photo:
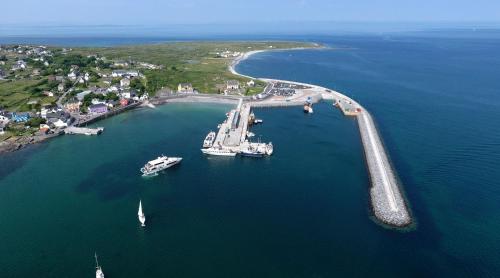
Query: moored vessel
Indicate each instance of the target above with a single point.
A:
(218, 151)
(161, 163)
(209, 140)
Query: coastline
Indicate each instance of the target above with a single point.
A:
(387, 202)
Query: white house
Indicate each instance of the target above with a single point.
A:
(251, 83)
(60, 124)
(125, 95)
(81, 95)
(232, 85)
(72, 75)
(125, 82)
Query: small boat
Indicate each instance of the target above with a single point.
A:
(209, 140)
(250, 134)
(141, 216)
(98, 269)
(308, 105)
(161, 163)
(269, 148)
(257, 121)
(308, 108)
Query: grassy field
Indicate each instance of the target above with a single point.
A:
(183, 62)
(15, 94)
(188, 62)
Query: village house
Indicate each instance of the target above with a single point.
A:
(232, 85)
(126, 94)
(44, 128)
(60, 124)
(81, 95)
(120, 64)
(60, 87)
(122, 73)
(123, 102)
(125, 82)
(3, 123)
(98, 108)
(19, 65)
(185, 88)
(72, 106)
(48, 93)
(251, 83)
(73, 75)
(20, 117)
(2, 127)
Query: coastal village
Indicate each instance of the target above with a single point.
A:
(67, 91)
(46, 90)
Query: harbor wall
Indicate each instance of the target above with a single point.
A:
(387, 201)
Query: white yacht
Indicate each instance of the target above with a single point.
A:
(218, 151)
(98, 269)
(141, 216)
(161, 163)
(209, 140)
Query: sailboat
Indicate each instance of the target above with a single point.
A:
(140, 214)
(98, 269)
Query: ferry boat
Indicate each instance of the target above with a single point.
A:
(218, 152)
(161, 163)
(209, 140)
(98, 269)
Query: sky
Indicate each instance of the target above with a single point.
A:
(131, 12)
(241, 15)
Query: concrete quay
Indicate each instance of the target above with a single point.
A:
(232, 134)
(83, 130)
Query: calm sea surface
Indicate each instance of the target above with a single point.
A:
(304, 212)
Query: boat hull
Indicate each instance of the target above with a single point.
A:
(250, 154)
(210, 152)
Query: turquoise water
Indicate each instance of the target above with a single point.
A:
(304, 212)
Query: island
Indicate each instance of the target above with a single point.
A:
(46, 91)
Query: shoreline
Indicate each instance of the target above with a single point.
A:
(387, 202)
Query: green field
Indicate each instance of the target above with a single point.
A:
(15, 94)
(183, 62)
(188, 62)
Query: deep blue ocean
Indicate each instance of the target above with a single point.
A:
(304, 212)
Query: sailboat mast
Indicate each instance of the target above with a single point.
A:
(96, 262)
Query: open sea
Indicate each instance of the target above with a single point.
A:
(304, 212)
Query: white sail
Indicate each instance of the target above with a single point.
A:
(142, 217)
(98, 270)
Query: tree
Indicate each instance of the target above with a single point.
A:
(35, 122)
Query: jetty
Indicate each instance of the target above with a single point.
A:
(233, 132)
(83, 130)
(387, 200)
